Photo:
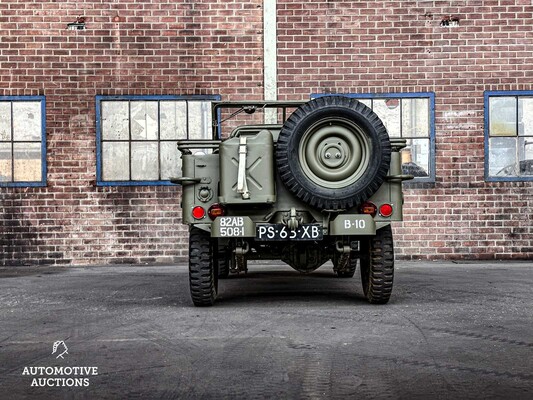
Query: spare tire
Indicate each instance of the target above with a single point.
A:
(333, 153)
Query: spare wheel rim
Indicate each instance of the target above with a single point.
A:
(334, 152)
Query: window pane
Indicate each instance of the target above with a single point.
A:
(5, 162)
(525, 114)
(115, 161)
(525, 155)
(388, 110)
(502, 157)
(366, 102)
(170, 160)
(415, 117)
(502, 116)
(144, 161)
(144, 125)
(415, 158)
(115, 120)
(27, 162)
(27, 121)
(148, 130)
(173, 117)
(5, 121)
(199, 120)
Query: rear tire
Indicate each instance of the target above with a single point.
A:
(203, 279)
(377, 266)
(223, 262)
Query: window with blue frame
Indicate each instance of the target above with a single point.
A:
(22, 141)
(137, 136)
(410, 116)
(509, 136)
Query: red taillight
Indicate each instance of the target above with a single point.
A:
(385, 210)
(216, 210)
(369, 208)
(198, 212)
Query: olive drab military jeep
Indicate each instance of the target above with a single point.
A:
(324, 185)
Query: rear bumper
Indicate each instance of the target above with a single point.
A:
(244, 227)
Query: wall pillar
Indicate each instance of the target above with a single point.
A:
(270, 57)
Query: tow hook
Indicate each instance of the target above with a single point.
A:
(293, 221)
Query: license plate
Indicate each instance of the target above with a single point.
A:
(280, 232)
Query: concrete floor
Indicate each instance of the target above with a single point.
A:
(451, 331)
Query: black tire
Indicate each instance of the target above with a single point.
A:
(377, 266)
(202, 277)
(333, 153)
(223, 261)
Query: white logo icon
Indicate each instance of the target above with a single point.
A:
(58, 346)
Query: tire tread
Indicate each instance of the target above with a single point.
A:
(377, 272)
(202, 279)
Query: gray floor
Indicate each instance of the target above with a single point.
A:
(451, 331)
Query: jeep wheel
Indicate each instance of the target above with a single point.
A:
(377, 266)
(333, 153)
(223, 263)
(202, 277)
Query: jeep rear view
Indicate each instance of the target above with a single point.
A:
(324, 185)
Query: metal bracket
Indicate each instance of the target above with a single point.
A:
(401, 178)
(293, 222)
(240, 258)
(344, 258)
(183, 180)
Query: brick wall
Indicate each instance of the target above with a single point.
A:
(400, 46)
(141, 47)
(156, 47)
